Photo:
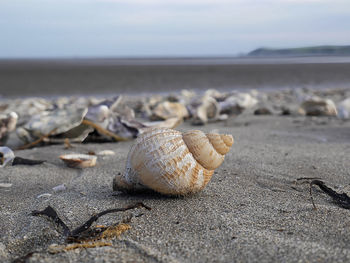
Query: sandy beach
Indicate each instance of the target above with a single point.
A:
(253, 210)
(117, 76)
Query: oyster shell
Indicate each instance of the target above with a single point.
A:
(315, 106)
(166, 110)
(208, 110)
(59, 123)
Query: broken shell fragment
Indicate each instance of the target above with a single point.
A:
(59, 124)
(316, 106)
(6, 156)
(344, 109)
(209, 110)
(5, 185)
(173, 163)
(7, 124)
(169, 123)
(76, 160)
(237, 103)
(106, 152)
(167, 110)
(59, 188)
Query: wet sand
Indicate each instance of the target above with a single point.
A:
(101, 77)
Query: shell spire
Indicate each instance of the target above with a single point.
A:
(170, 162)
(208, 149)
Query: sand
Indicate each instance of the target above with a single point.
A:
(251, 211)
(100, 77)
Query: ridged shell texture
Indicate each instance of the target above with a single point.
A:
(171, 162)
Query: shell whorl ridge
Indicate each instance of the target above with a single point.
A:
(171, 162)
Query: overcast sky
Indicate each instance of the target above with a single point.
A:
(129, 28)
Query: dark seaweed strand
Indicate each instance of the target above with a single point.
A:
(94, 218)
(20, 160)
(343, 200)
(51, 213)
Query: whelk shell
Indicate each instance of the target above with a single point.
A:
(170, 162)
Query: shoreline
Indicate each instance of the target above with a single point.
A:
(21, 79)
(180, 61)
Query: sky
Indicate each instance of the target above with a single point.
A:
(158, 28)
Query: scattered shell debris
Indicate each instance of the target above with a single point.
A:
(67, 120)
(77, 160)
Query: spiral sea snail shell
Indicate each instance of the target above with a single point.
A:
(174, 163)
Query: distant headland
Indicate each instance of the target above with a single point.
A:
(302, 51)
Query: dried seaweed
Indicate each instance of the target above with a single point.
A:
(103, 131)
(82, 232)
(41, 139)
(75, 233)
(19, 160)
(84, 236)
(105, 233)
(67, 144)
(342, 200)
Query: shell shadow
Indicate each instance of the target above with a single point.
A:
(148, 195)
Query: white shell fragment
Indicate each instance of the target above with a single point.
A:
(45, 195)
(344, 109)
(105, 153)
(6, 156)
(59, 188)
(76, 160)
(170, 162)
(208, 110)
(5, 185)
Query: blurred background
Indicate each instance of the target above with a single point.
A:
(92, 47)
